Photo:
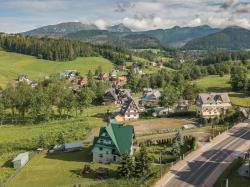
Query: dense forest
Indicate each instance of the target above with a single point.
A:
(58, 49)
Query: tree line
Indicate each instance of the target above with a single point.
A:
(53, 98)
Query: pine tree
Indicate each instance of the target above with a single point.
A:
(41, 141)
(142, 161)
(60, 139)
(179, 137)
(2, 111)
(126, 169)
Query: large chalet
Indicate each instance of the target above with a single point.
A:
(211, 105)
(113, 141)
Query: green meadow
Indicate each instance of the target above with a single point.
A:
(14, 64)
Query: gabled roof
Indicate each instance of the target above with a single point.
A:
(121, 136)
(212, 98)
(152, 94)
(112, 92)
(126, 105)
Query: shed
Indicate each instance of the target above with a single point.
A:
(20, 160)
(189, 126)
(74, 146)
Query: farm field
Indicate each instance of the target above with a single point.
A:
(215, 83)
(153, 125)
(14, 64)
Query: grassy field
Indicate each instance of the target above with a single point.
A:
(57, 170)
(15, 138)
(216, 83)
(13, 64)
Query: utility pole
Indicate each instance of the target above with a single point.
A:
(226, 182)
(161, 163)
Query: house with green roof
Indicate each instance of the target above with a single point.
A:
(113, 141)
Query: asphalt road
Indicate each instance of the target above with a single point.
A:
(196, 172)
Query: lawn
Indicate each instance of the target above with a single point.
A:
(14, 64)
(214, 83)
(59, 169)
(62, 169)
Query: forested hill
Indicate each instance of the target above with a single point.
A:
(233, 38)
(60, 29)
(178, 36)
(58, 49)
(129, 40)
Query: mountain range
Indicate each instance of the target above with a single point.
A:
(189, 38)
(234, 38)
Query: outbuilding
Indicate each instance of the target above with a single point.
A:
(74, 146)
(20, 160)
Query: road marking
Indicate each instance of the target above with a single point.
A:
(236, 139)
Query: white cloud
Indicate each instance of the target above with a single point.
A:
(101, 24)
(148, 23)
(195, 22)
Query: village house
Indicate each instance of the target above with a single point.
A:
(119, 81)
(103, 76)
(24, 78)
(78, 83)
(113, 74)
(121, 67)
(128, 111)
(150, 98)
(137, 70)
(183, 106)
(116, 95)
(153, 63)
(69, 74)
(211, 105)
(113, 141)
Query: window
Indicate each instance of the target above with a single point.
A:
(100, 148)
(100, 155)
(107, 152)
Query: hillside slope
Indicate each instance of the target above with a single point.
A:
(233, 38)
(14, 64)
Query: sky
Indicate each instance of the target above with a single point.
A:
(22, 15)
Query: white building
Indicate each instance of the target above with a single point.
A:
(211, 105)
(20, 160)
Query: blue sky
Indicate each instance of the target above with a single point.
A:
(22, 15)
